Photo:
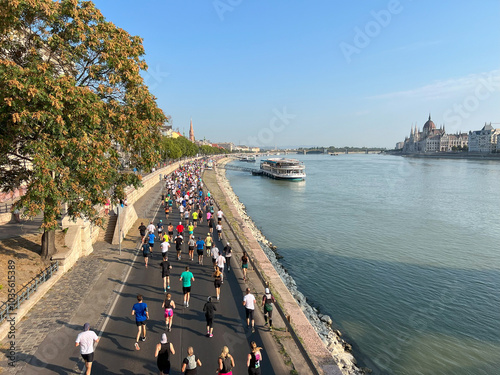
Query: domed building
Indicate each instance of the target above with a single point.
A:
(432, 139)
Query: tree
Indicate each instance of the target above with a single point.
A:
(72, 106)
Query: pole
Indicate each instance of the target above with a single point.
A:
(119, 229)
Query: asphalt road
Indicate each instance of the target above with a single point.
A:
(116, 354)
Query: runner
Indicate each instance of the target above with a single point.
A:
(208, 243)
(209, 309)
(86, 341)
(268, 304)
(179, 240)
(170, 229)
(151, 238)
(228, 253)
(190, 363)
(142, 231)
(191, 246)
(146, 252)
(226, 362)
(221, 261)
(200, 248)
(180, 228)
(160, 228)
(217, 275)
(219, 230)
(187, 214)
(164, 246)
(140, 310)
(215, 254)
(219, 215)
(211, 225)
(165, 272)
(186, 278)
(169, 306)
(162, 354)
(190, 228)
(244, 265)
(253, 359)
(195, 218)
(249, 303)
(151, 227)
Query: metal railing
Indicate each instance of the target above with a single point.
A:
(26, 291)
(5, 208)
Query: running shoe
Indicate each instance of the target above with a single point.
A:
(143, 339)
(137, 346)
(211, 335)
(253, 330)
(168, 287)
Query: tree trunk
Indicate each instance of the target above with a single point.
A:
(48, 244)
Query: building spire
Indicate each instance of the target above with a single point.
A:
(191, 131)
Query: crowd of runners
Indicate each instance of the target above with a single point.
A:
(184, 194)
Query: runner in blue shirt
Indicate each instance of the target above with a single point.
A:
(200, 246)
(140, 310)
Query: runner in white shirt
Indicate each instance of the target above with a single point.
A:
(151, 227)
(249, 303)
(220, 261)
(165, 245)
(219, 216)
(215, 254)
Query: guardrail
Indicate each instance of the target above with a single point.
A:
(5, 208)
(285, 318)
(26, 291)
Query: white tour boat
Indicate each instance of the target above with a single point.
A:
(284, 169)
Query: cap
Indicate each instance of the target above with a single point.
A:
(163, 338)
(160, 220)
(209, 299)
(228, 244)
(267, 291)
(86, 327)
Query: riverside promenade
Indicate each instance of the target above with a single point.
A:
(101, 289)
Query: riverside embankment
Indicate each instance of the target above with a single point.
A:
(323, 345)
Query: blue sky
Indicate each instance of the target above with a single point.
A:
(341, 73)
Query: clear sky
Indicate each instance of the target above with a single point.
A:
(325, 72)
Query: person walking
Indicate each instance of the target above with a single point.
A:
(162, 355)
(268, 304)
(140, 310)
(165, 272)
(217, 275)
(190, 363)
(226, 362)
(187, 278)
(253, 359)
(244, 265)
(249, 303)
(86, 341)
(169, 306)
(209, 310)
(228, 253)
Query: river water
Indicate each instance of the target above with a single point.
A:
(402, 253)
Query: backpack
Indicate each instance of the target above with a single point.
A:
(226, 365)
(191, 365)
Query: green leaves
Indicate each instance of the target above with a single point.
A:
(73, 107)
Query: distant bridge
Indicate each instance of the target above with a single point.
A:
(253, 171)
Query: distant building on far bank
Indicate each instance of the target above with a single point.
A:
(227, 145)
(399, 145)
(484, 140)
(432, 139)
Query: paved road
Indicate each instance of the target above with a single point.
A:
(94, 287)
(116, 353)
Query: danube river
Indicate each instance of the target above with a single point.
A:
(403, 254)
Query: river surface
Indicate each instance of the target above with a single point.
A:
(403, 254)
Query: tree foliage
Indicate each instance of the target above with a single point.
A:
(73, 107)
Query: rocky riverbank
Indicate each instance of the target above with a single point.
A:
(339, 349)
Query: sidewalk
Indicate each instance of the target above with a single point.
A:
(44, 339)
